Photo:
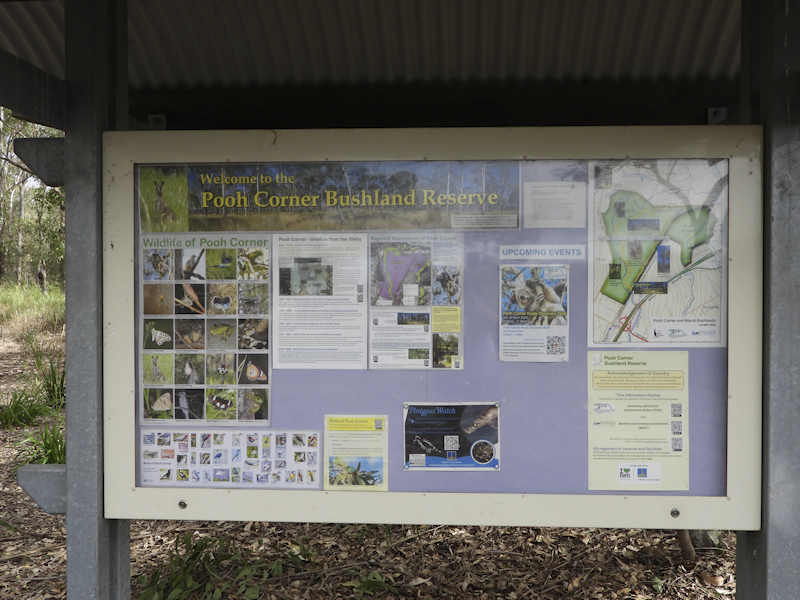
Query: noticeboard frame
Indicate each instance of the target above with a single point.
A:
(740, 509)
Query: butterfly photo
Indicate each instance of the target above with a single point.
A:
(253, 369)
(220, 369)
(220, 404)
(158, 334)
(157, 403)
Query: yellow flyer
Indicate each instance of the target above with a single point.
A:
(356, 452)
(638, 420)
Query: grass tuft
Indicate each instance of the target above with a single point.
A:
(49, 385)
(46, 447)
(23, 408)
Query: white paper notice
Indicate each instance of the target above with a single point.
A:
(554, 204)
(320, 308)
(554, 194)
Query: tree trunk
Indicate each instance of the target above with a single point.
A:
(20, 241)
(41, 276)
(687, 548)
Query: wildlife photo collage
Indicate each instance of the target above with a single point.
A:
(205, 363)
(205, 335)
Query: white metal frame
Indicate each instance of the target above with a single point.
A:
(740, 509)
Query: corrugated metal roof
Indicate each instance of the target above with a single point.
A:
(184, 43)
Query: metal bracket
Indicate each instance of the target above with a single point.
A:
(45, 157)
(47, 485)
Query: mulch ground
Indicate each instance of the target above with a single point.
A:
(318, 561)
(352, 561)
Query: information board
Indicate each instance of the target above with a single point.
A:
(397, 329)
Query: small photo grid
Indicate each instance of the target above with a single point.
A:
(205, 332)
(230, 458)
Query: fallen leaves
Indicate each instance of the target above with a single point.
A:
(381, 561)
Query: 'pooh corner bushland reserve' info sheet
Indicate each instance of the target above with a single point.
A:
(638, 420)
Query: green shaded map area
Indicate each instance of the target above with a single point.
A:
(635, 228)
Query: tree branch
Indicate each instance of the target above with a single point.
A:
(19, 166)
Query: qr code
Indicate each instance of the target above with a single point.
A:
(556, 344)
(451, 442)
(416, 460)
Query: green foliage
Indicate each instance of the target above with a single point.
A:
(51, 384)
(208, 568)
(22, 408)
(48, 446)
(26, 312)
(371, 583)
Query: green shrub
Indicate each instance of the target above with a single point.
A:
(47, 447)
(22, 409)
(50, 383)
(208, 568)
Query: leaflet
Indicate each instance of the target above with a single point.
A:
(356, 453)
(416, 299)
(228, 458)
(451, 437)
(638, 420)
(204, 318)
(320, 307)
(534, 313)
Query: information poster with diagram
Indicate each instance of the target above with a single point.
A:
(639, 420)
(416, 293)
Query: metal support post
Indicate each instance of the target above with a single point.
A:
(98, 555)
(766, 561)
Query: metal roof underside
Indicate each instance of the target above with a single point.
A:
(185, 44)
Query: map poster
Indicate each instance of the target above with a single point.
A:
(416, 299)
(534, 313)
(658, 252)
(451, 437)
(356, 453)
(638, 420)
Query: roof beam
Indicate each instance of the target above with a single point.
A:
(30, 93)
(535, 103)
